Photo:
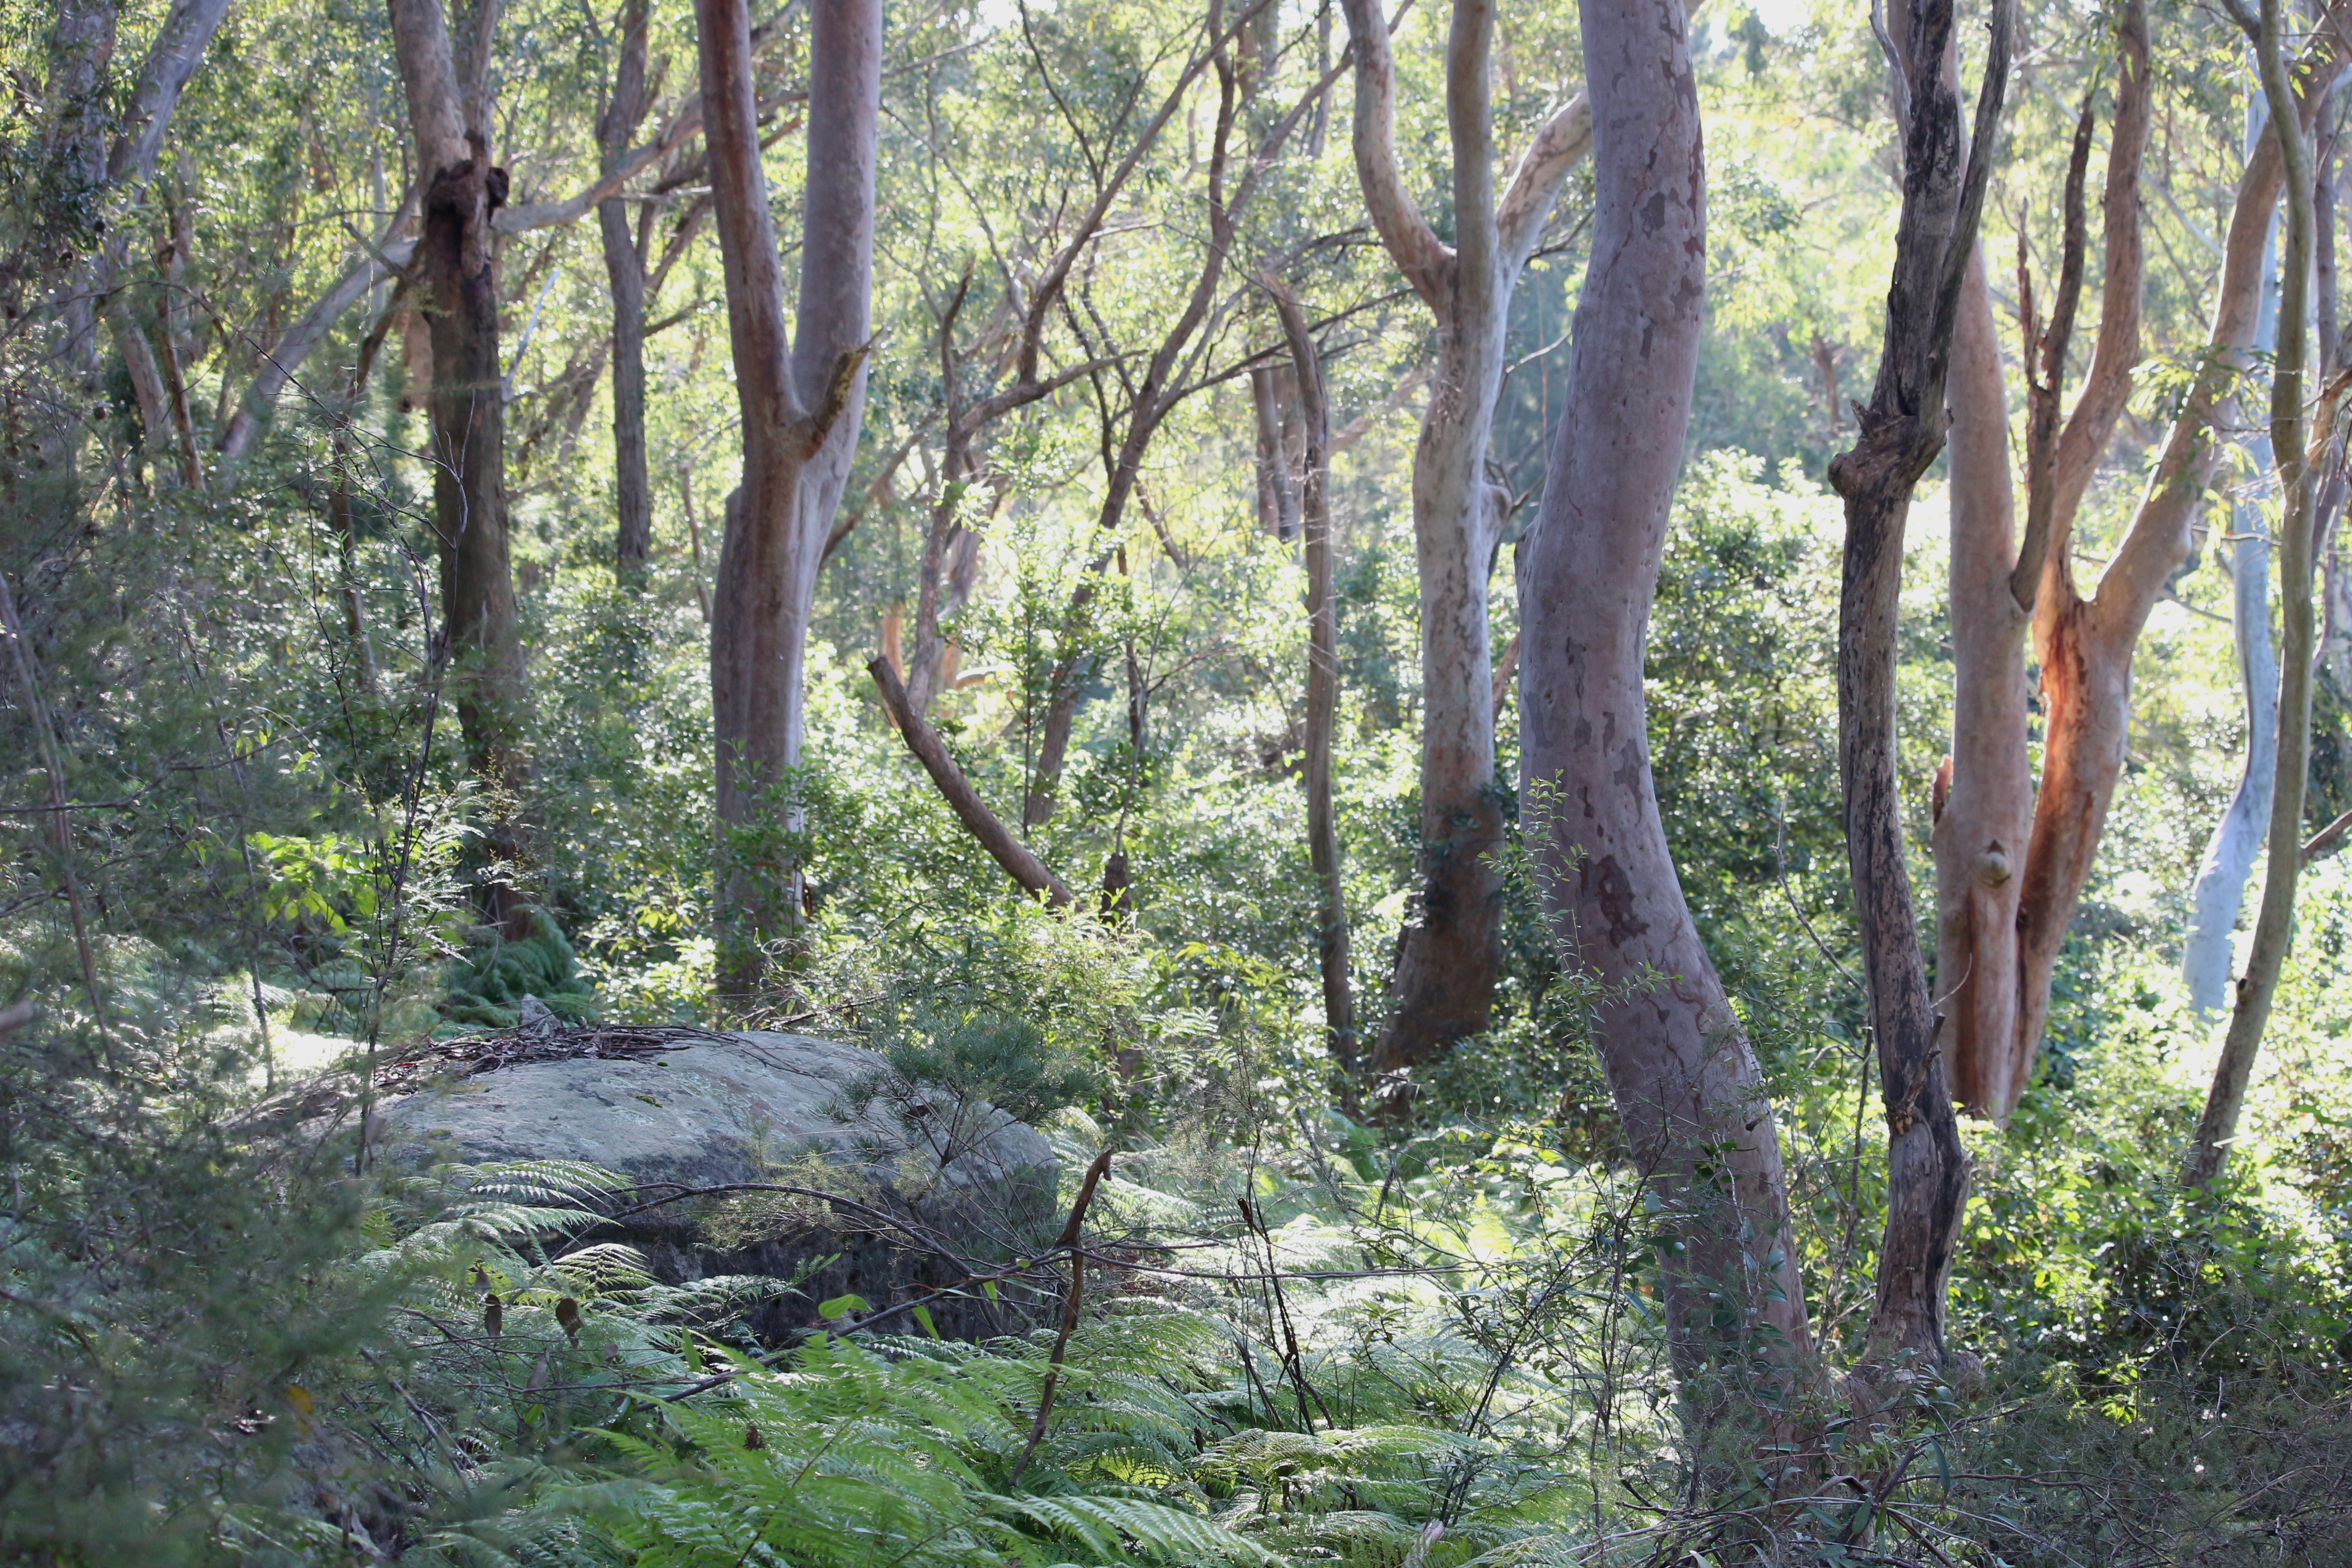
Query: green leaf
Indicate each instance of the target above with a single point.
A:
(840, 1306)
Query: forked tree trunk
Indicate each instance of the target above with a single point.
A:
(1684, 1078)
(1322, 692)
(1450, 950)
(1994, 991)
(458, 282)
(1901, 432)
(625, 266)
(801, 399)
(2086, 644)
(2289, 426)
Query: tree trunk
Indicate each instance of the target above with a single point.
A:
(1995, 992)
(801, 402)
(1901, 432)
(625, 266)
(2086, 645)
(2336, 640)
(1450, 950)
(457, 254)
(1322, 694)
(1684, 1081)
(2274, 924)
(2335, 485)
(1278, 471)
(338, 500)
(2219, 890)
(1986, 814)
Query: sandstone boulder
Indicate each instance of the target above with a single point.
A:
(762, 1106)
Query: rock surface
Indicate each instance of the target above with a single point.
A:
(746, 1108)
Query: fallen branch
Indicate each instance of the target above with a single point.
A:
(1020, 861)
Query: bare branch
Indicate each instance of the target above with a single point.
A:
(1556, 148)
(1020, 862)
(1426, 261)
(2043, 390)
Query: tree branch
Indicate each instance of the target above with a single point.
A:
(1020, 862)
(179, 48)
(2043, 390)
(2115, 353)
(1557, 150)
(1426, 261)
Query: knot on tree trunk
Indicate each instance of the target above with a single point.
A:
(458, 202)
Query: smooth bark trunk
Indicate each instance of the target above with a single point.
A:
(1450, 951)
(2220, 891)
(1684, 1081)
(2335, 643)
(145, 373)
(1901, 432)
(1984, 814)
(801, 399)
(1995, 984)
(2289, 428)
